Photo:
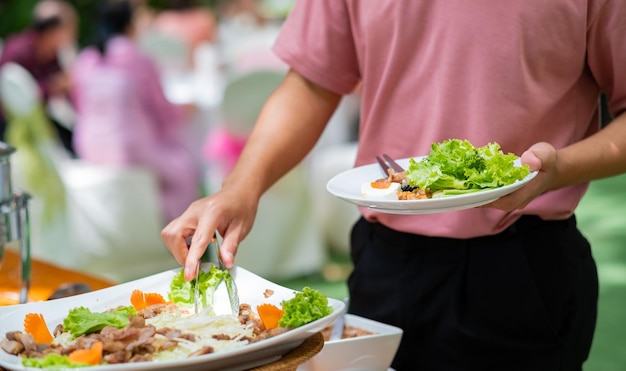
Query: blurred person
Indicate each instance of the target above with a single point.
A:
(507, 286)
(37, 49)
(123, 116)
(187, 21)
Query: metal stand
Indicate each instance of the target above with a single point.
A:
(14, 220)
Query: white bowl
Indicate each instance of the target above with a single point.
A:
(364, 353)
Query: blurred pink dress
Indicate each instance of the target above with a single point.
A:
(124, 119)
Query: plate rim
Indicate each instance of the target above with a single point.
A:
(427, 206)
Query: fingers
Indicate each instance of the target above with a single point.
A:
(230, 216)
(199, 243)
(175, 234)
(229, 247)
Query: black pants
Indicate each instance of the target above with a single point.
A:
(524, 299)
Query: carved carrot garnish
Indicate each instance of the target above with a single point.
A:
(269, 314)
(35, 325)
(141, 300)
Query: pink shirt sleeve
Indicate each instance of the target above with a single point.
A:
(323, 53)
(606, 50)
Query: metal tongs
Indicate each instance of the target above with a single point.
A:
(391, 164)
(212, 255)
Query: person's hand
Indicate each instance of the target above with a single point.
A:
(229, 211)
(541, 157)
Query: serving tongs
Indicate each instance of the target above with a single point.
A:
(212, 255)
(390, 164)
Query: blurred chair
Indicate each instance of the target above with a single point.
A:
(285, 241)
(29, 130)
(108, 223)
(171, 55)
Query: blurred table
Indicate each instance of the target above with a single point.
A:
(45, 279)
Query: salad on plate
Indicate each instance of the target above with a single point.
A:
(453, 167)
(151, 327)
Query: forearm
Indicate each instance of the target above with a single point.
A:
(288, 127)
(599, 156)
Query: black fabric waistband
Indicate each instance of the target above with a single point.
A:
(525, 224)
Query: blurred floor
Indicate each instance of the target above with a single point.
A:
(602, 219)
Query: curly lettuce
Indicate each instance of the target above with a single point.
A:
(455, 166)
(305, 307)
(81, 321)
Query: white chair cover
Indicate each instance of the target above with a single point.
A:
(18, 90)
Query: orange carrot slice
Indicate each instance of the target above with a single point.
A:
(35, 324)
(138, 300)
(152, 298)
(269, 314)
(91, 356)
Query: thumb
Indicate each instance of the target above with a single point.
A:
(538, 156)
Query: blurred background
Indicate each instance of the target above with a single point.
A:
(123, 112)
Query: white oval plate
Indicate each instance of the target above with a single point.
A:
(347, 186)
(250, 286)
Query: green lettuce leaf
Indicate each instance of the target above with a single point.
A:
(51, 360)
(182, 291)
(81, 320)
(455, 166)
(306, 306)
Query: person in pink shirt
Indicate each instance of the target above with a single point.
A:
(508, 286)
(123, 116)
(37, 49)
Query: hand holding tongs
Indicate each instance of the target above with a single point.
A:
(212, 254)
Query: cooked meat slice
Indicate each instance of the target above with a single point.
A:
(112, 346)
(12, 335)
(221, 337)
(204, 350)
(127, 334)
(12, 346)
(117, 357)
(139, 358)
(86, 341)
(163, 344)
(169, 333)
(109, 331)
(27, 340)
(137, 321)
(145, 337)
(245, 312)
(58, 330)
(188, 336)
(151, 311)
(266, 334)
(267, 293)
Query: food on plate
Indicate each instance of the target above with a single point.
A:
(453, 167)
(385, 190)
(348, 332)
(152, 328)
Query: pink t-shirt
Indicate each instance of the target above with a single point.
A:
(515, 72)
